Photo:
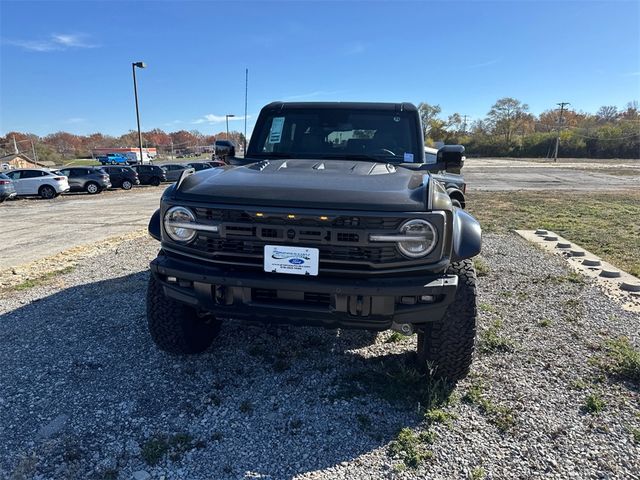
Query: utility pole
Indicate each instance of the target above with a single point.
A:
(33, 149)
(464, 125)
(15, 146)
(560, 119)
(172, 150)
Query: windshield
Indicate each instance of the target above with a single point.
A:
(337, 133)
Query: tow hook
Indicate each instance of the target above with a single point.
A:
(403, 328)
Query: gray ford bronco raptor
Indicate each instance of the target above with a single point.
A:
(332, 219)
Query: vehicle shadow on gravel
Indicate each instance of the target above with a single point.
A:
(80, 367)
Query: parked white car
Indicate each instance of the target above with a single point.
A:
(37, 181)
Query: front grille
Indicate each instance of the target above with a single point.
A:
(342, 240)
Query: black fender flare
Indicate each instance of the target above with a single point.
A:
(467, 236)
(154, 226)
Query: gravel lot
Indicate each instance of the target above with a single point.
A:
(85, 395)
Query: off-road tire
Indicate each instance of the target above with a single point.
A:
(445, 348)
(47, 192)
(92, 188)
(127, 185)
(456, 203)
(175, 327)
(155, 181)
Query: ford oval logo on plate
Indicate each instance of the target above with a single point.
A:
(296, 261)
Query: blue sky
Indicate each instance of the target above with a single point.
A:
(67, 65)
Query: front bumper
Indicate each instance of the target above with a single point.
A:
(367, 303)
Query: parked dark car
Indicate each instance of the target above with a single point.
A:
(150, 174)
(224, 149)
(7, 190)
(197, 166)
(122, 177)
(86, 179)
(173, 171)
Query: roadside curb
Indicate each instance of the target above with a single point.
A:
(616, 284)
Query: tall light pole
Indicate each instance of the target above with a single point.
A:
(226, 117)
(135, 92)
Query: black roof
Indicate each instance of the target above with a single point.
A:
(404, 106)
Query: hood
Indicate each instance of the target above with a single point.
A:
(331, 184)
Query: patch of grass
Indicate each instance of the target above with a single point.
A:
(482, 269)
(110, 474)
(491, 341)
(154, 449)
(623, 359)
(593, 404)
(478, 473)
(545, 322)
(364, 421)
(410, 447)
(437, 415)
(173, 446)
(501, 417)
(41, 279)
(396, 383)
(635, 435)
(581, 217)
(246, 407)
(395, 337)
(485, 307)
(579, 384)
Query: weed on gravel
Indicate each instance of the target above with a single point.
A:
(623, 359)
(41, 279)
(174, 447)
(411, 447)
(492, 341)
(396, 383)
(482, 268)
(478, 473)
(593, 404)
(501, 417)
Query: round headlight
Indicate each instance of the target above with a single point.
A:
(425, 238)
(176, 224)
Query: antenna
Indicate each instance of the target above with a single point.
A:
(246, 90)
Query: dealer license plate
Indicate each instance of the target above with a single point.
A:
(293, 260)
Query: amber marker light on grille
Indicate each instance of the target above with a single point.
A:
(291, 216)
(259, 214)
(324, 218)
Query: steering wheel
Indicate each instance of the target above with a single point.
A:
(386, 151)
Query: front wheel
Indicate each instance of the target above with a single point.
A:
(92, 188)
(47, 192)
(126, 185)
(155, 181)
(446, 347)
(175, 327)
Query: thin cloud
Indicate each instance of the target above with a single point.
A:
(211, 118)
(317, 93)
(355, 48)
(632, 74)
(56, 41)
(485, 64)
(75, 120)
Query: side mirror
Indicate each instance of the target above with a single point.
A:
(451, 157)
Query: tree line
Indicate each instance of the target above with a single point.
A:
(60, 146)
(509, 129)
